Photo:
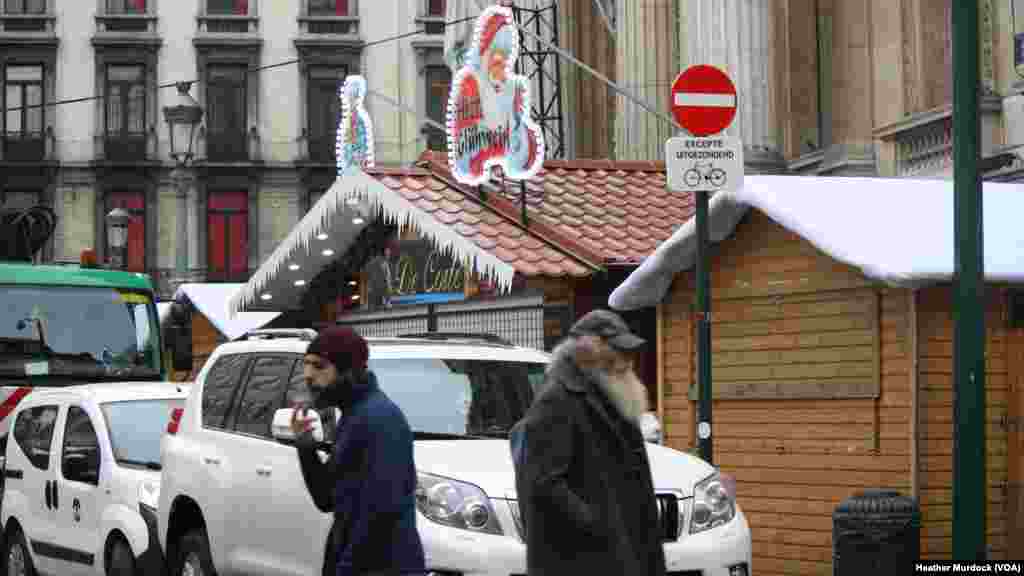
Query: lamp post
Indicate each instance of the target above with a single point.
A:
(117, 237)
(183, 117)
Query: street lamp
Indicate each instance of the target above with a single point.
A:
(183, 117)
(117, 236)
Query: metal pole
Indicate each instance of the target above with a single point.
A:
(969, 484)
(181, 183)
(703, 331)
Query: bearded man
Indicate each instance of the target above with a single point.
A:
(583, 480)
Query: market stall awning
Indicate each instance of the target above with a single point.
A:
(211, 300)
(896, 230)
(355, 201)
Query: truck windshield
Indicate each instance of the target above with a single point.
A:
(77, 331)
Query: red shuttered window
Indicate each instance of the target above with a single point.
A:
(227, 222)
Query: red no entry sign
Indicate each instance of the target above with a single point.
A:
(703, 100)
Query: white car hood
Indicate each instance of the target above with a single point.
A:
(488, 465)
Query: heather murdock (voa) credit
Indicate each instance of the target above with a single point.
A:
(975, 567)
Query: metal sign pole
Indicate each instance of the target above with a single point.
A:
(969, 483)
(703, 330)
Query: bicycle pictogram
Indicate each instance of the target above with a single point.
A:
(704, 172)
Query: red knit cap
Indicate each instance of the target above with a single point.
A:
(342, 346)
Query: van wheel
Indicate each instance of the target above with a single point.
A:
(194, 555)
(121, 562)
(19, 561)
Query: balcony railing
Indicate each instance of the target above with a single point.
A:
(127, 147)
(126, 22)
(27, 146)
(922, 144)
(228, 24)
(22, 22)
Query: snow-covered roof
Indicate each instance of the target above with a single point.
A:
(896, 230)
(211, 300)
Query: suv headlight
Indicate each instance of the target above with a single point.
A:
(713, 505)
(456, 504)
(149, 494)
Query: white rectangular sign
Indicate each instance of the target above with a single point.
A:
(704, 164)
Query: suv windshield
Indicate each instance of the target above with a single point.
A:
(136, 427)
(467, 397)
(77, 331)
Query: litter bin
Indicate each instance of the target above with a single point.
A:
(875, 530)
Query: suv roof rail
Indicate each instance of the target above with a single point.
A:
(268, 333)
(492, 338)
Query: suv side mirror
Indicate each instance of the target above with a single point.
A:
(650, 426)
(281, 426)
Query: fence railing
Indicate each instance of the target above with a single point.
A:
(527, 322)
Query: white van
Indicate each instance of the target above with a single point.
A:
(233, 499)
(82, 478)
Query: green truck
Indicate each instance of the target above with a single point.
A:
(79, 323)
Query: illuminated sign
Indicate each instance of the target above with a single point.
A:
(355, 131)
(489, 120)
(411, 272)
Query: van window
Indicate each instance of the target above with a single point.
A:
(33, 432)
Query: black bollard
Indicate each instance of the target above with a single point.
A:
(875, 531)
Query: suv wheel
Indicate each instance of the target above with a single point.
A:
(121, 563)
(19, 562)
(194, 555)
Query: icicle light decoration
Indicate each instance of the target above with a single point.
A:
(378, 201)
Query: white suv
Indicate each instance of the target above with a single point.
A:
(81, 479)
(233, 499)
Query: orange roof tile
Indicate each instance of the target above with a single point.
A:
(620, 211)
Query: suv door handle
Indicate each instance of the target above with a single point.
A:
(211, 461)
(264, 470)
(49, 501)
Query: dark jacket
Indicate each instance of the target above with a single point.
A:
(370, 483)
(584, 483)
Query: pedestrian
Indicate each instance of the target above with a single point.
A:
(583, 480)
(370, 482)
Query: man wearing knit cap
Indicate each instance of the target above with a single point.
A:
(370, 482)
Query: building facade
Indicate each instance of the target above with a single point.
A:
(266, 146)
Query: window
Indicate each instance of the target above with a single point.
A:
(324, 111)
(459, 396)
(228, 236)
(126, 111)
(126, 6)
(219, 389)
(135, 204)
(328, 7)
(232, 7)
(25, 6)
(80, 455)
(226, 117)
(436, 7)
(439, 81)
(33, 432)
(136, 427)
(267, 383)
(23, 123)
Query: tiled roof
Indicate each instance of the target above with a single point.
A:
(534, 251)
(619, 212)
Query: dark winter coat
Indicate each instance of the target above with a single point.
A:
(584, 483)
(370, 484)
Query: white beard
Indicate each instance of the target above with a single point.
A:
(627, 393)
